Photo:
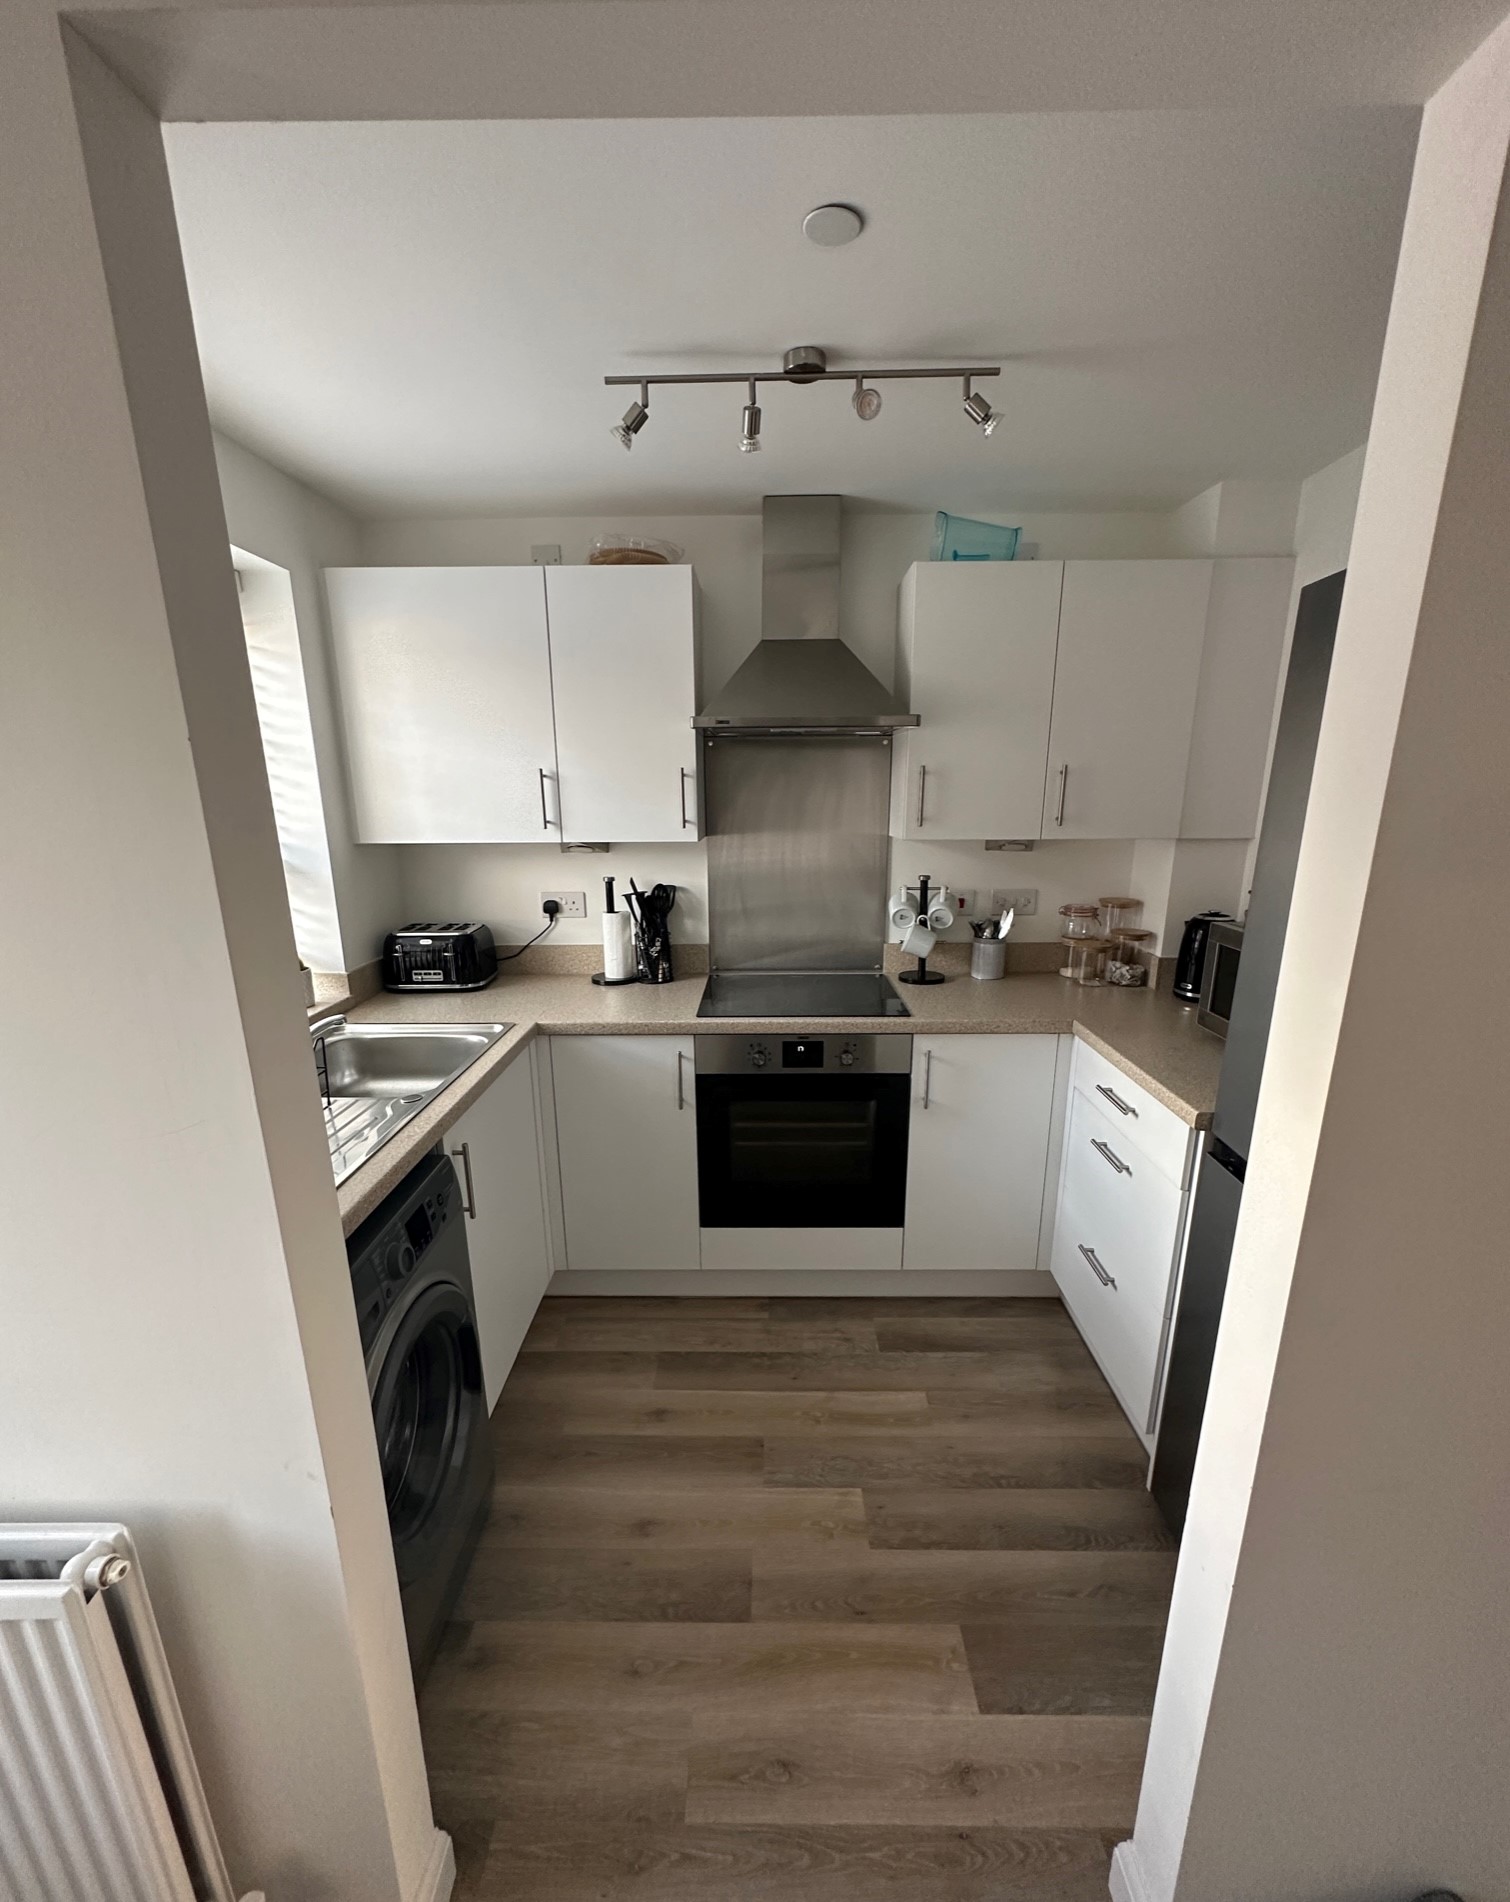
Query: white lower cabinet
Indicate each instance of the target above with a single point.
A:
(978, 1148)
(496, 1148)
(1118, 1230)
(626, 1120)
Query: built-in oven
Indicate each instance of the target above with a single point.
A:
(803, 1132)
(1224, 952)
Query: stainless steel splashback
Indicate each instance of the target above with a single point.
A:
(797, 850)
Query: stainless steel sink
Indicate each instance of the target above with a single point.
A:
(375, 1078)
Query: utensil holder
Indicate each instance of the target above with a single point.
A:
(988, 958)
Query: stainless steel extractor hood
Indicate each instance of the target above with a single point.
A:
(801, 677)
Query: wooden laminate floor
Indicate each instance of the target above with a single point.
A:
(801, 1601)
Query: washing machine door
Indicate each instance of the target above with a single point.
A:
(427, 1406)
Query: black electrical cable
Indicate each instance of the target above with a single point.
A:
(554, 911)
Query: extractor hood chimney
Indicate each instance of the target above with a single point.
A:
(801, 677)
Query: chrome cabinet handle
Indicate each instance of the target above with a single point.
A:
(927, 1079)
(1115, 1100)
(464, 1157)
(1096, 1269)
(922, 784)
(681, 1092)
(1105, 1150)
(1064, 786)
(685, 820)
(546, 820)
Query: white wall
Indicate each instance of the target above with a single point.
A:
(271, 515)
(1331, 1717)
(178, 1347)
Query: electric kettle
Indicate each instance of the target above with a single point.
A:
(1192, 958)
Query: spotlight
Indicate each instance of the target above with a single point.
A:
(980, 411)
(867, 402)
(749, 438)
(635, 419)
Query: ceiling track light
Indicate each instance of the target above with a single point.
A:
(749, 439)
(806, 363)
(978, 409)
(867, 401)
(635, 418)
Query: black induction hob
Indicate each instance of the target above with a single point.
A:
(800, 994)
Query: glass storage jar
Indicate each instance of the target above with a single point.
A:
(1129, 958)
(1079, 921)
(1118, 914)
(1087, 956)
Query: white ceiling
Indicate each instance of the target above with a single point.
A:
(415, 317)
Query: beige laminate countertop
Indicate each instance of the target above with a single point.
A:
(1149, 1037)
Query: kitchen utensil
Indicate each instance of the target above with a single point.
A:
(652, 911)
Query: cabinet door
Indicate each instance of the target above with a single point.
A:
(1130, 635)
(627, 1123)
(446, 698)
(496, 1148)
(976, 662)
(978, 1150)
(623, 657)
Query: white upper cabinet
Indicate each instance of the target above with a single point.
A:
(1087, 699)
(1130, 640)
(623, 666)
(517, 705)
(1235, 700)
(446, 698)
(975, 661)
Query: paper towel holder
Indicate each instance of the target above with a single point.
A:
(922, 975)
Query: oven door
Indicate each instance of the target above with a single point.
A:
(802, 1151)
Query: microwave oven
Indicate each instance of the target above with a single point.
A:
(1224, 950)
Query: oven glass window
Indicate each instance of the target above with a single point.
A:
(819, 1151)
(782, 1141)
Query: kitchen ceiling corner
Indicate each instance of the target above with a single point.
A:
(416, 317)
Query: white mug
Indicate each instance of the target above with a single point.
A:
(918, 942)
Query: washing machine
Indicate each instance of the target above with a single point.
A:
(413, 1289)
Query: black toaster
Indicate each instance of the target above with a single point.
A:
(439, 958)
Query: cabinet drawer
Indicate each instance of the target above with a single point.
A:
(1134, 1208)
(1118, 1330)
(1138, 1115)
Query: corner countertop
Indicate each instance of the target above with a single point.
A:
(1149, 1037)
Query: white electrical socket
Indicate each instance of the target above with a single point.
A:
(964, 902)
(1023, 902)
(545, 554)
(573, 904)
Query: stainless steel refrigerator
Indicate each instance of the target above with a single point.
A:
(1219, 1186)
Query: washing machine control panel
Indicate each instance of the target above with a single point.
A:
(384, 1254)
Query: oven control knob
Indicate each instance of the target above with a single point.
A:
(846, 1057)
(760, 1056)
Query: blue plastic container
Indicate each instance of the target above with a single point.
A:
(957, 538)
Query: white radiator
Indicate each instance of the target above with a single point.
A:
(100, 1800)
